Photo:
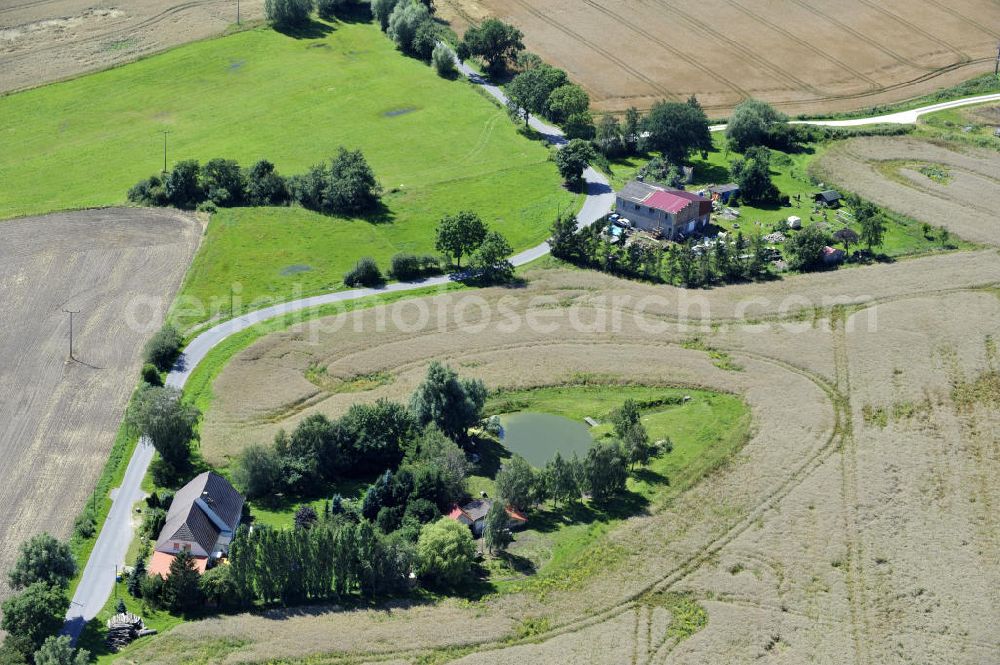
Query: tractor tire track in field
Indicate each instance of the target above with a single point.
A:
(791, 36)
(146, 23)
(707, 552)
(694, 62)
(701, 27)
(849, 495)
(25, 5)
(978, 25)
(909, 25)
(597, 49)
(856, 34)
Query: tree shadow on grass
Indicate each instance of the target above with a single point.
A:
(647, 475)
(491, 456)
(311, 29)
(519, 564)
(624, 505)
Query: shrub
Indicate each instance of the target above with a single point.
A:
(151, 590)
(150, 192)
(443, 61)
(85, 524)
(207, 207)
(183, 184)
(404, 266)
(365, 273)
(382, 10)
(257, 471)
(445, 552)
(264, 186)
(162, 350)
(331, 8)
(412, 29)
(151, 375)
(223, 182)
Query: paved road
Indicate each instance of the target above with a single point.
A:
(116, 533)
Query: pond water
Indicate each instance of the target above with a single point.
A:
(537, 436)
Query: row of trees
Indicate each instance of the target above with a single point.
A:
(546, 91)
(37, 609)
(346, 185)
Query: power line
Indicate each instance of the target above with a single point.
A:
(71, 313)
(164, 132)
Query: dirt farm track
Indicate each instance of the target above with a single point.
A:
(58, 417)
(806, 56)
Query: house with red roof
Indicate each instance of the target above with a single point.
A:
(672, 212)
(473, 515)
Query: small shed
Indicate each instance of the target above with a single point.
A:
(828, 197)
(794, 222)
(724, 192)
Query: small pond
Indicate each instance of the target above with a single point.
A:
(537, 436)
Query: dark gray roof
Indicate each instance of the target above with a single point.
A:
(722, 189)
(194, 527)
(188, 521)
(637, 191)
(829, 195)
(476, 510)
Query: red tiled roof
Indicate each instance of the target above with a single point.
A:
(667, 201)
(513, 514)
(456, 512)
(159, 564)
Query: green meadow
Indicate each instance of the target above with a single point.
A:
(436, 146)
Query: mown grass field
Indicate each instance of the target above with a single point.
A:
(436, 146)
(559, 541)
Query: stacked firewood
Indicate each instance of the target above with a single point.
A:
(123, 629)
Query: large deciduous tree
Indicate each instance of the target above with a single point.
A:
(161, 415)
(453, 404)
(445, 552)
(43, 559)
(496, 42)
(490, 260)
(756, 123)
(753, 175)
(572, 160)
(34, 614)
(460, 234)
(515, 482)
(605, 469)
(675, 129)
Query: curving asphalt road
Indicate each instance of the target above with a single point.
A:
(112, 543)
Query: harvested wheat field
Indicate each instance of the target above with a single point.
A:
(48, 40)
(119, 268)
(804, 56)
(943, 185)
(857, 525)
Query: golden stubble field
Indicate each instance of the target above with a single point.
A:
(59, 417)
(858, 524)
(805, 56)
(887, 171)
(48, 40)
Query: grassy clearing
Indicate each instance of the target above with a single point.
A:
(435, 144)
(564, 545)
(972, 125)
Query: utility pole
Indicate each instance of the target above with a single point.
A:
(71, 313)
(996, 67)
(237, 12)
(164, 132)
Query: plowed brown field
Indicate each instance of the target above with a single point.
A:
(58, 417)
